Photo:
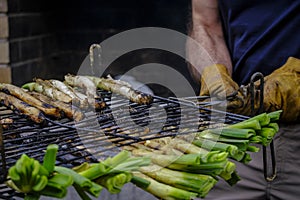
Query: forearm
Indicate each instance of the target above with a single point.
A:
(206, 30)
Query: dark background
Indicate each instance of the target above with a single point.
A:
(51, 38)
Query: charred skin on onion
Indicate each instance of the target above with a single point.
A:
(82, 98)
(21, 107)
(28, 99)
(123, 88)
(80, 101)
(62, 87)
(51, 91)
(76, 99)
(89, 88)
(85, 83)
(69, 110)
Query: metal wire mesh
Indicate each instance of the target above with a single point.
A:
(101, 133)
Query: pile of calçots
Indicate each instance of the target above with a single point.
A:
(168, 168)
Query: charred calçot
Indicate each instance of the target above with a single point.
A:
(25, 97)
(69, 110)
(21, 107)
(121, 87)
(71, 98)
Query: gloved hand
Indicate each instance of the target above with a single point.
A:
(281, 92)
(217, 83)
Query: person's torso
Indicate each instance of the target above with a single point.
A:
(260, 35)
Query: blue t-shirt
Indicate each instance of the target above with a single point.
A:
(260, 34)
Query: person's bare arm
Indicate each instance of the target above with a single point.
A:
(207, 31)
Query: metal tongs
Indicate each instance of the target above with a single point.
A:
(254, 77)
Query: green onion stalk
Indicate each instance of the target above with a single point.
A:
(161, 190)
(198, 183)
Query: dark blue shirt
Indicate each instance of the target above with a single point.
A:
(260, 34)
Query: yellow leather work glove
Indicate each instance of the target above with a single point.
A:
(281, 92)
(217, 83)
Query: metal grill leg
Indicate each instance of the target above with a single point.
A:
(3, 160)
(273, 159)
(254, 77)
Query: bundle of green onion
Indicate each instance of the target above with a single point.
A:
(190, 173)
(189, 166)
(113, 172)
(33, 179)
(236, 139)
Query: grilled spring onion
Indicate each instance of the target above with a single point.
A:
(275, 116)
(21, 107)
(161, 190)
(111, 173)
(57, 186)
(187, 162)
(22, 95)
(232, 139)
(188, 148)
(233, 132)
(122, 88)
(232, 150)
(213, 163)
(53, 92)
(85, 83)
(89, 88)
(65, 89)
(265, 118)
(165, 160)
(30, 177)
(33, 86)
(50, 157)
(242, 144)
(175, 143)
(78, 99)
(69, 110)
(82, 98)
(198, 183)
(27, 175)
(59, 97)
(80, 180)
(122, 162)
(259, 129)
(206, 157)
(197, 160)
(248, 124)
(114, 182)
(45, 88)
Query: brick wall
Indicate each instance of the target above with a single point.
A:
(5, 72)
(51, 38)
(32, 40)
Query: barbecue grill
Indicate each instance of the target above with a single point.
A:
(104, 132)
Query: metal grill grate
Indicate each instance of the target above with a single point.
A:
(102, 133)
